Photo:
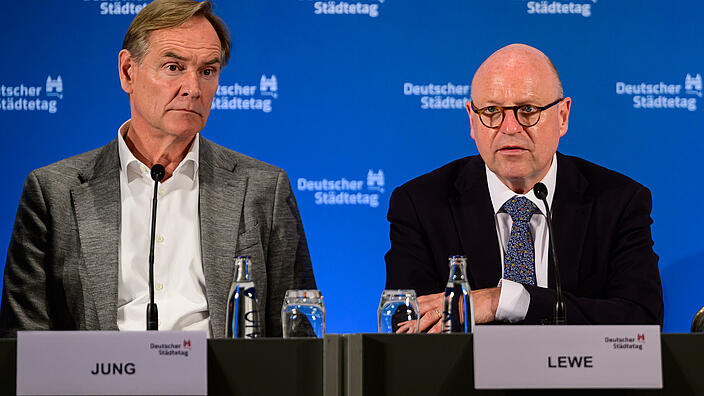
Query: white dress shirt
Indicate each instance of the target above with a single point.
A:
(179, 283)
(514, 299)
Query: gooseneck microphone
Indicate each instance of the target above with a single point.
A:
(158, 173)
(560, 312)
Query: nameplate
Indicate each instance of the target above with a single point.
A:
(511, 357)
(111, 363)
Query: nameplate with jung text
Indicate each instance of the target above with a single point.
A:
(111, 363)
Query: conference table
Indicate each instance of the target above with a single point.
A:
(382, 364)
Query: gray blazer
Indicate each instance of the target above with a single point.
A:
(62, 264)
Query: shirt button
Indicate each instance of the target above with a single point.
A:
(159, 286)
(161, 191)
(159, 324)
(160, 238)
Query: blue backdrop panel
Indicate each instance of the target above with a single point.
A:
(353, 98)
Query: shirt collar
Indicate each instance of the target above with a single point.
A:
(134, 168)
(499, 193)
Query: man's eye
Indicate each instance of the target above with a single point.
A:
(528, 109)
(172, 68)
(491, 110)
(208, 72)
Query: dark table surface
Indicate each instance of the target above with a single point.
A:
(382, 364)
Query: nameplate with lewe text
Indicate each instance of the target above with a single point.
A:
(541, 357)
(111, 363)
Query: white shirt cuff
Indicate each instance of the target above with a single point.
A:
(513, 302)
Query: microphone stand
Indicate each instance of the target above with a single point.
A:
(158, 173)
(560, 311)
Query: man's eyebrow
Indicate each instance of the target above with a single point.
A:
(170, 54)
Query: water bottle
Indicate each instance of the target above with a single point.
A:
(242, 320)
(457, 305)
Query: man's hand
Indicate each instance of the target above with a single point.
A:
(430, 307)
(486, 302)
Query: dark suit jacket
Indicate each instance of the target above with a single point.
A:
(601, 223)
(62, 264)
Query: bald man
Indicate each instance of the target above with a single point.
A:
(484, 207)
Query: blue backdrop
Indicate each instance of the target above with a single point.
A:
(333, 90)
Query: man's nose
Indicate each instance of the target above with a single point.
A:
(510, 124)
(191, 85)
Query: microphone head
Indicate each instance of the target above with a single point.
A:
(698, 322)
(158, 172)
(540, 191)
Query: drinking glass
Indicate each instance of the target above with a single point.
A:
(397, 306)
(303, 314)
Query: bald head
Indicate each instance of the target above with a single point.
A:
(518, 77)
(515, 60)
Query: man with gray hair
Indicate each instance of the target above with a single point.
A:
(484, 207)
(78, 254)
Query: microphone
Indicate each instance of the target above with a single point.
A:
(698, 322)
(560, 312)
(158, 173)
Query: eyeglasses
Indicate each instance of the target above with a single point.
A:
(527, 115)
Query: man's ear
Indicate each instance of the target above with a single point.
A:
(468, 106)
(126, 65)
(564, 115)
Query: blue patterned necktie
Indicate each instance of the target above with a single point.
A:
(519, 263)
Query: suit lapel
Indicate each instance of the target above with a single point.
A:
(221, 199)
(96, 205)
(571, 210)
(473, 215)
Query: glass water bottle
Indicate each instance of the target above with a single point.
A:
(242, 320)
(457, 306)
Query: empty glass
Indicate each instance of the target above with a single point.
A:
(395, 307)
(303, 314)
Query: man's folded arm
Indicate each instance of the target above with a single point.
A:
(632, 293)
(290, 226)
(24, 305)
(288, 260)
